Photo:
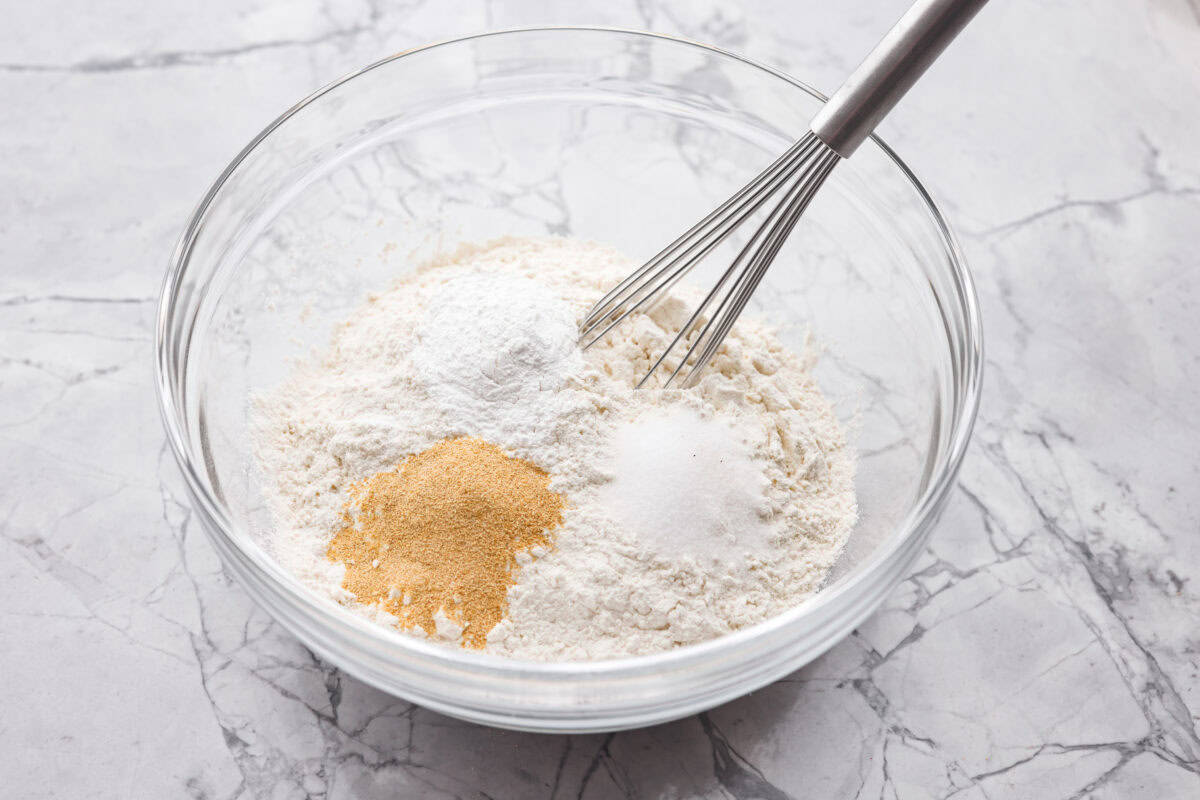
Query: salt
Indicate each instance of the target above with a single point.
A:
(687, 485)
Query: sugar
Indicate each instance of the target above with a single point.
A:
(687, 485)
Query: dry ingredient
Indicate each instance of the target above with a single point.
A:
(436, 540)
(482, 344)
(688, 486)
(492, 350)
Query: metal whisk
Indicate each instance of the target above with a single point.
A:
(842, 124)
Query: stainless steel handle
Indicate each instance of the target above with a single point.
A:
(890, 70)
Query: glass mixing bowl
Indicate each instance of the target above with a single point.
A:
(618, 136)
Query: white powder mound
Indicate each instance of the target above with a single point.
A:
(482, 343)
(492, 351)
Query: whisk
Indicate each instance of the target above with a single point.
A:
(841, 125)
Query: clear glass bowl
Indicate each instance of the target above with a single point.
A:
(617, 136)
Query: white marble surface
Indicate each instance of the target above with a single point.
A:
(1048, 645)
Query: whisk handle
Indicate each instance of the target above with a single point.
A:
(890, 70)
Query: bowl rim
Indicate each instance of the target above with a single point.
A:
(919, 518)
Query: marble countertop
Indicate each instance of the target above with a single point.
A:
(1048, 644)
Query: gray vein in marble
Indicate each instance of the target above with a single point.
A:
(178, 58)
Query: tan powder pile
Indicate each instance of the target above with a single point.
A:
(442, 531)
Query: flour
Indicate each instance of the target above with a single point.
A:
(482, 343)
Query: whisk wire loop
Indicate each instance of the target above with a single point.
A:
(838, 129)
(768, 240)
(614, 295)
(798, 174)
(651, 281)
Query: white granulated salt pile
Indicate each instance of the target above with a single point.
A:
(688, 486)
(686, 513)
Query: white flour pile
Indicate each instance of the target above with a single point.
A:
(689, 513)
